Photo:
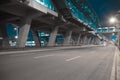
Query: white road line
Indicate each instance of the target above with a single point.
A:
(113, 76)
(42, 56)
(73, 58)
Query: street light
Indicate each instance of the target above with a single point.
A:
(116, 21)
(113, 20)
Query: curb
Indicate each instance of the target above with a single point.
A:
(44, 49)
(118, 65)
(115, 74)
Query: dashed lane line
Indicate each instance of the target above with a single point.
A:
(37, 57)
(70, 59)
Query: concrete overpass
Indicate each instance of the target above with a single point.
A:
(108, 31)
(51, 17)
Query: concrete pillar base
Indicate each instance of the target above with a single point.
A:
(5, 40)
(36, 38)
(78, 41)
(53, 36)
(23, 32)
(67, 38)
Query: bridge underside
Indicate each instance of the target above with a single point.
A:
(18, 19)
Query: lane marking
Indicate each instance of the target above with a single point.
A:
(113, 72)
(73, 58)
(42, 56)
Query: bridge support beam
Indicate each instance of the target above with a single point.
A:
(53, 36)
(96, 40)
(78, 41)
(92, 40)
(67, 38)
(23, 32)
(5, 41)
(81, 39)
(85, 39)
(89, 40)
(36, 38)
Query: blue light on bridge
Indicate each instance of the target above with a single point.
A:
(113, 37)
(83, 12)
(47, 3)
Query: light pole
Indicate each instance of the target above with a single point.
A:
(118, 27)
(116, 21)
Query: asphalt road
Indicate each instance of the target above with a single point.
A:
(93, 63)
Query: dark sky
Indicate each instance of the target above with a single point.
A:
(105, 9)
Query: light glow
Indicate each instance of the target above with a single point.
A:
(112, 20)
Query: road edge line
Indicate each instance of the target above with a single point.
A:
(113, 72)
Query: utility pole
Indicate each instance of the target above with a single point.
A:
(118, 27)
(116, 21)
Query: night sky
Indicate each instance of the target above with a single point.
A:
(105, 9)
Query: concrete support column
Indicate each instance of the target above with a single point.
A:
(89, 40)
(96, 41)
(67, 38)
(78, 41)
(74, 39)
(36, 38)
(5, 40)
(92, 40)
(85, 39)
(53, 36)
(81, 39)
(23, 31)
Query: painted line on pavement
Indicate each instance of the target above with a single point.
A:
(73, 58)
(37, 57)
(113, 72)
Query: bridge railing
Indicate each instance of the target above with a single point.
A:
(47, 3)
(82, 12)
(106, 30)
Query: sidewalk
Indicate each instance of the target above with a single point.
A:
(118, 66)
(24, 50)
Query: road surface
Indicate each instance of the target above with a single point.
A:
(92, 63)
